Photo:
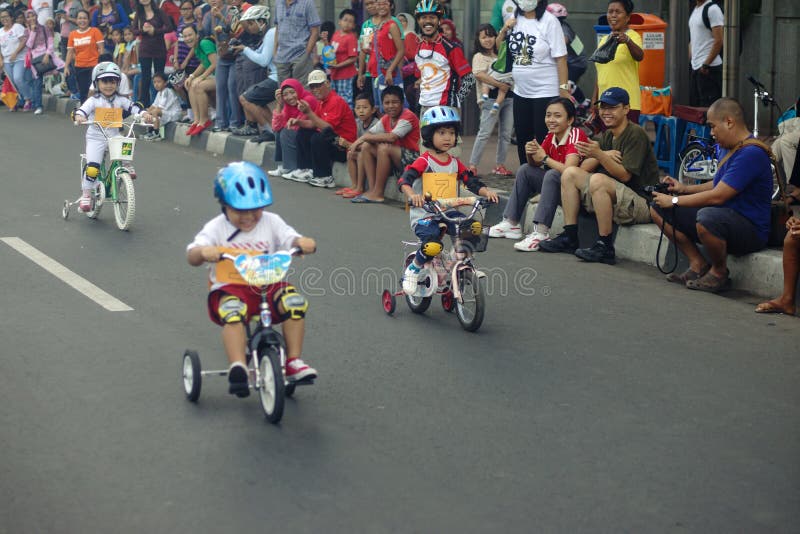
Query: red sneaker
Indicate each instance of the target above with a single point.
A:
(296, 370)
(501, 170)
(202, 127)
(191, 129)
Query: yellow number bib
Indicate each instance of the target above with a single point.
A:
(108, 117)
(440, 185)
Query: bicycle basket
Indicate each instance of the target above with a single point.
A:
(264, 269)
(121, 148)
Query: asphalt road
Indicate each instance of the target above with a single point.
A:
(593, 399)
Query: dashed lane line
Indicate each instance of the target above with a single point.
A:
(67, 276)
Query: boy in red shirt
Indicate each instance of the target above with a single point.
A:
(390, 145)
(343, 70)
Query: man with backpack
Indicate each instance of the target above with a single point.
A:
(705, 47)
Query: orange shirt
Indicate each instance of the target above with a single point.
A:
(85, 46)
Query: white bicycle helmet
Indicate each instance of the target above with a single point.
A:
(256, 13)
(106, 69)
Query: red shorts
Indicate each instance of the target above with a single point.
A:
(251, 298)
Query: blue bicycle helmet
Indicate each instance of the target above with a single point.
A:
(243, 186)
(428, 6)
(435, 118)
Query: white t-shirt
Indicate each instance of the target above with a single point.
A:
(270, 235)
(9, 41)
(536, 44)
(169, 103)
(701, 37)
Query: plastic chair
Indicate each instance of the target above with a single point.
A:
(666, 147)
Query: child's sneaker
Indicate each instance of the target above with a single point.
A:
(531, 242)
(277, 171)
(85, 203)
(411, 279)
(501, 170)
(28, 106)
(495, 109)
(506, 229)
(484, 97)
(297, 370)
(237, 380)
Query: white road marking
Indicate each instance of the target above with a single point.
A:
(70, 278)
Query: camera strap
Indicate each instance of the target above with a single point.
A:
(661, 240)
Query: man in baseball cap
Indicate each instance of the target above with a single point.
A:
(324, 133)
(614, 96)
(610, 182)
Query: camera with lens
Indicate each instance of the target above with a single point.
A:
(661, 187)
(234, 42)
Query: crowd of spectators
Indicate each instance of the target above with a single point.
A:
(353, 90)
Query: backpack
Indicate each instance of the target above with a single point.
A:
(706, 20)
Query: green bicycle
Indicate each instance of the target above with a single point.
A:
(116, 176)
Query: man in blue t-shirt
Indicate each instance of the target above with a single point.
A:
(731, 214)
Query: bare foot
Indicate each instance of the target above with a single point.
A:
(776, 306)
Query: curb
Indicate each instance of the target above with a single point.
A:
(760, 273)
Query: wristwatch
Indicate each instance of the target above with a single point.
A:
(675, 201)
(564, 86)
(544, 160)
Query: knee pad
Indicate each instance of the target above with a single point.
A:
(293, 303)
(431, 249)
(92, 170)
(231, 310)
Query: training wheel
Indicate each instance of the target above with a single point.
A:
(192, 378)
(288, 390)
(388, 301)
(448, 302)
(65, 210)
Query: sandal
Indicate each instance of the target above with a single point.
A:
(710, 283)
(344, 190)
(352, 194)
(773, 306)
(687, 275)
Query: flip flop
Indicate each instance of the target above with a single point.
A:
(352, 194)
(773, 307)
(687, 275)
(344, 190)
(710, 283)
(361, 199)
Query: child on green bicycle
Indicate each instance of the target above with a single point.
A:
(243, 190)
(439, 129)
(105, 77)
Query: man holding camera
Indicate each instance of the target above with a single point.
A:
(611, 181)
(730, 214)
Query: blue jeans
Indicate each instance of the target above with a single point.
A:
(227, 99)
(289, 148)
(19, 77)
(37, 84)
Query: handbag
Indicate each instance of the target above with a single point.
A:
(656, 101)
(503, 62)
(40, 66)
(606, 52)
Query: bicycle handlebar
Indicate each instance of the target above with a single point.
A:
(435, 208)
(294, 251)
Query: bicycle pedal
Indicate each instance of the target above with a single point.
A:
(304, 382)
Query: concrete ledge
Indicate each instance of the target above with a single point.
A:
(760, 273)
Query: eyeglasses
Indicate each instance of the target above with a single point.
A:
(313, 86)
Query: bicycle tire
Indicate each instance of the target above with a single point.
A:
(694, 153)
(192, 377)
(272, 389)
(125, 201)
(471, 307)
